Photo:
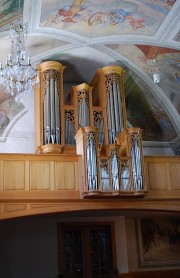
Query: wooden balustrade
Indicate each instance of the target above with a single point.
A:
(162, 176)
(39, 176)
(36, 184)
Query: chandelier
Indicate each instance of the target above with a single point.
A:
(18, 76)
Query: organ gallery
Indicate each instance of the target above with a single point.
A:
(91, 123)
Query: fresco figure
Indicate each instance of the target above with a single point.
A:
(70, 13)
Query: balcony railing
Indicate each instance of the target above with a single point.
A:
(33, 184)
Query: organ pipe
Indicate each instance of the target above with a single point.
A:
(83, 109)
(51, 109)
(114, 162)
(91, 161)
(136, 166)
(114, 107)
(98, 121)
(104, 175)
(125, 175)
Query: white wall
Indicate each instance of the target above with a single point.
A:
(20, 134)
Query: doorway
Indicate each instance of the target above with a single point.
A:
(86, 250)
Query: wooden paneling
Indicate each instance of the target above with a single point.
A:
(40, 175)
(34, 184)
(175, 175)
(65, 175)
(14, 175)
(29, 173)
(162, 176)
(157, 173)
(14, 207)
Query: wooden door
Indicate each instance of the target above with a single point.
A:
(86, 251)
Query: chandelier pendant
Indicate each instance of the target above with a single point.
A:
(18, 76)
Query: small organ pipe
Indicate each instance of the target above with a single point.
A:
(109, 121)
(112, 112)
(91, 165)
(115, 172)
(57, 115)
(136, 165)
(120, 108)
(115, 107)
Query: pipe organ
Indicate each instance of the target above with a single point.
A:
(93, 125)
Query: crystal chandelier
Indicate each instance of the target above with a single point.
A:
(18, 76)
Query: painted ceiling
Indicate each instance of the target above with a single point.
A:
(142, 36)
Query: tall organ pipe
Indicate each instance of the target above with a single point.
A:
(114, 110)
(57, 116)
(120, 108)
(51, 110)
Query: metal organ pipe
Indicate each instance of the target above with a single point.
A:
(104, 175)
(125, 177)
(69, 127)
(136, 166)
(83, 113)
(91, 164)
(47, 116)
(114, 111)
(119, 108)
(101, 132)
(99, 123)
(51, 111)
(109, 121)
(115, 172)
(57, 116)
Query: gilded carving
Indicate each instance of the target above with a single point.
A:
(69, 114)
(109, 80)
(50, 74)
(97, 117)
(83, 94)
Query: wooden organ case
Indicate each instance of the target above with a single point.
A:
(94, 125)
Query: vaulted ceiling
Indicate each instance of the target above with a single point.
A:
(142, 36)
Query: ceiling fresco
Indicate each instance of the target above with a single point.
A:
(10, 10)
(142, 36)
(102, 18)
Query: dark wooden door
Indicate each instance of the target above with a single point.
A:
(86, 251)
